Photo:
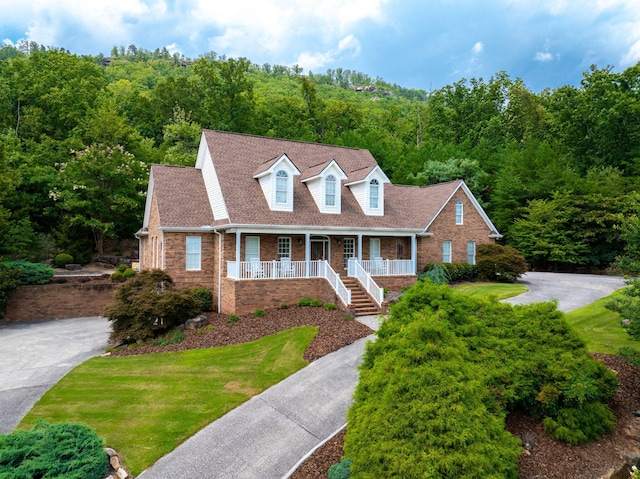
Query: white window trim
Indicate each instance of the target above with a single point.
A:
(282, 177)
(193, 255)
(459, 212)
(374, 183)
(284, 247)
(471, 252)
(349, 250)
(330, 180)
(446, 251)
(250, 255)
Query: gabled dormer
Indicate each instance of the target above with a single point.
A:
(276, 180)
(325, 185)
(367, 187)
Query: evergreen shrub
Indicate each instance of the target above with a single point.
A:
(341, 470)
(456, 272)
(53, 451)
(499, 263)
(204, 297)
(32, 273)
(9, 282)
(436, 273)
(627, 303)
(63, 259)
(122, 273)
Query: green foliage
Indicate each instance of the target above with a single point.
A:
(63, 259)
(631, 355)
(577, 425)
(627, 304)
(437, 273)
(148, 304)
(308, 301)
(284, 306)
(329, 306)
(122, 273)
(232, 318)
(341, 470)
(499, 263)
(445, 370)
(455, 272)
(204, 297)
(31, 273)
(53, 451)
(172, 337)
(9, 282)
(259, 313)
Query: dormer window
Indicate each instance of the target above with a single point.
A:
(330, 191)
(374, 190)
(282, 179)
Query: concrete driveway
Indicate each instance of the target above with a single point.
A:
(572, 291)
(36, 355)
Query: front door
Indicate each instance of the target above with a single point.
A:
(319, 249)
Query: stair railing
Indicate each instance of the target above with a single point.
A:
(356, 270)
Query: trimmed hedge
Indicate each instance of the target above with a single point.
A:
(31, 273)
(455, 272)
(446, 368)
(53, 451)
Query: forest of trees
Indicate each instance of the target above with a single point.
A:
(556, 170)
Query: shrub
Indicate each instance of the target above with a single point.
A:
(631, 355)
(9, 282)
(308, 301)
(259, 313)
(437, 274)
(456, 272)
(70, 451)
(329, 306)
(232, 318)
(147, 305)
(500, 263)
(31, 273)
(627, 304)
(284, 306)
(122, 273)
(204, 297)
(173, 337)
(341, 470)
(577, 425)
(63, 259)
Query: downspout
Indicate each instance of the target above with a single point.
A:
(219, 268)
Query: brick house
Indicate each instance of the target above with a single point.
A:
(264, 221)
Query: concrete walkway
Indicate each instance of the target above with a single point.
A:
(36, 355)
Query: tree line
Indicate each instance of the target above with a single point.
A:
(555, 170)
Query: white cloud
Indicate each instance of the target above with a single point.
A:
(348, 46)
(543, 57)
(632, 56)
(478, 47)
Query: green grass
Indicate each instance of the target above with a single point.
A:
(600, 328)
(499, 290)
(146, 405)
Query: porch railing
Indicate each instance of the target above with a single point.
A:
(327, 272)
(388, 267)
(355, 269)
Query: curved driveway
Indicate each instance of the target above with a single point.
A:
(36, 355)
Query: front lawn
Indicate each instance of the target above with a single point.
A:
(600, 328)
(499, 290)
(144, 406)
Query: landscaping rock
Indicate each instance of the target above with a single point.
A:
(197, 322)
(73, 266)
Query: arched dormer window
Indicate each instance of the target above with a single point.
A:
(374, 191)
(282, 180)
(459, 212)
(330, 191)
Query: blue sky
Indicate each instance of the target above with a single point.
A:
(416, 44)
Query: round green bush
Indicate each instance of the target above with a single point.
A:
(63, 259)
(204, 297)
(341, 470)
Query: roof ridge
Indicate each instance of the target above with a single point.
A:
(284, 139)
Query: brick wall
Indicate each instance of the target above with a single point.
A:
(175, 253)
(445, 228)
(58, 301)
(395, 283)
(242, 297)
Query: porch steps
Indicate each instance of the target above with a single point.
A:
(360, 300)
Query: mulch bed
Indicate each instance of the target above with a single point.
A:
(547, 459)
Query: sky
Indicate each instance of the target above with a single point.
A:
(424, 44)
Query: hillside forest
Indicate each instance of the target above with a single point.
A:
(556, 170)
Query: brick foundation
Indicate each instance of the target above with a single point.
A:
(58, 301)
(395, 283)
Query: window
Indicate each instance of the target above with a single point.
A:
(252, 248)
(284, 247)
(194, 253)
(459, 209)
(446, 251)
(373, 193)
(349, 250)
(282, 180)
(374, 248)
(471, 252)
(330, 191)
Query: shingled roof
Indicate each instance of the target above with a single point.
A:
(183, 201)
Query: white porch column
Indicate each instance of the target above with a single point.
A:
(414, 253)
(238, 244)
(307, 253)
(359, 248)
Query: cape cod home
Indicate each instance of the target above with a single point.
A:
(265, 221)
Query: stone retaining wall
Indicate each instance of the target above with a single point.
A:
(75, 299)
